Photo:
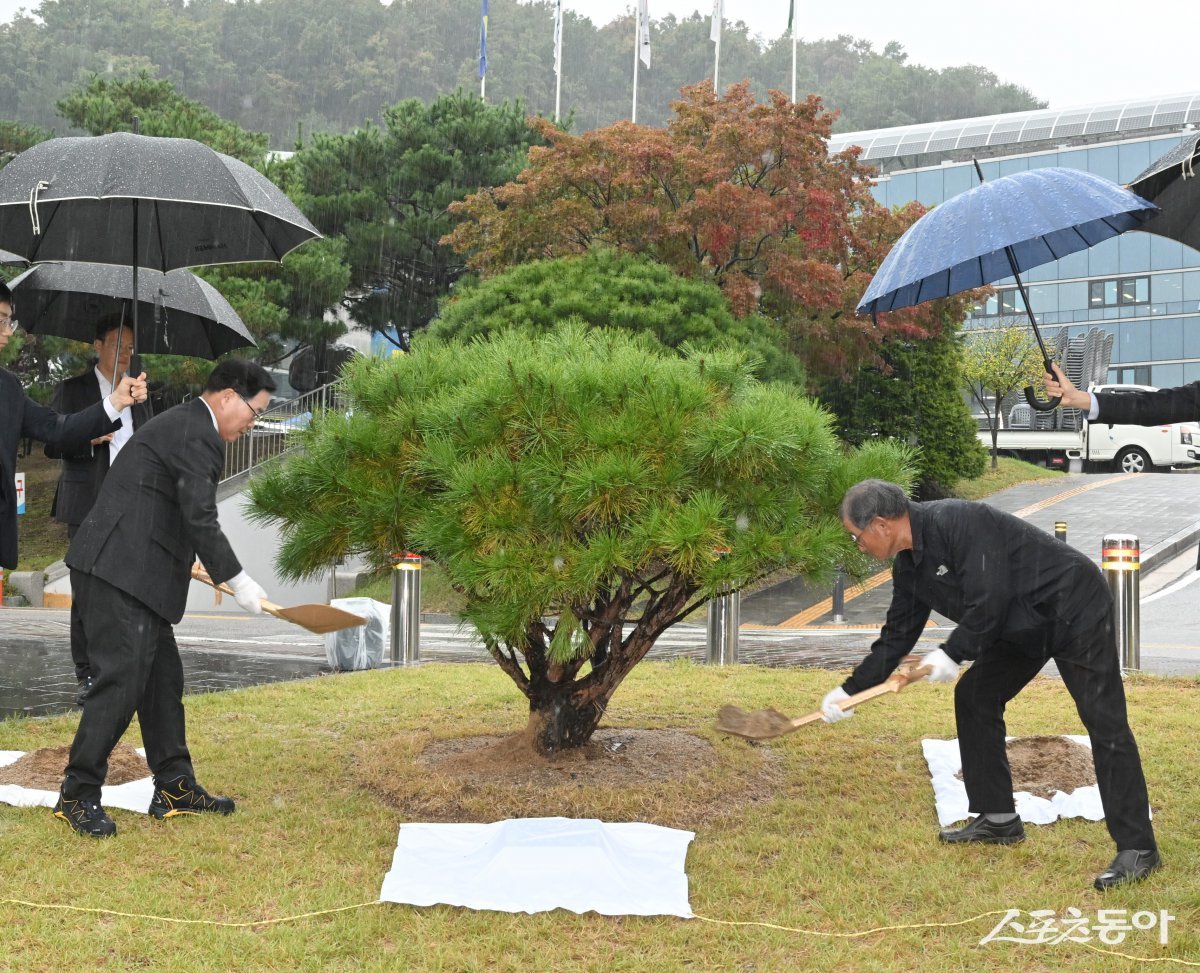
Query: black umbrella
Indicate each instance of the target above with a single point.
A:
(180, 313)
(1171, 182)
(11, 258)
(140, 201)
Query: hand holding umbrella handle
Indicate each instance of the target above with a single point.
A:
(1031, 396)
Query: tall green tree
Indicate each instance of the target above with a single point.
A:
(388, 190)
(576, 487)
(608, 289)
(997, 363)
(914, 395)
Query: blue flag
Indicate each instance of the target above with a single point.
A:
(483, 41)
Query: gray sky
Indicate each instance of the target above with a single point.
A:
(1066, 53)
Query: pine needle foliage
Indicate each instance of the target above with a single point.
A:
(584, 490)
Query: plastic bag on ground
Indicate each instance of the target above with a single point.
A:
(364, 646)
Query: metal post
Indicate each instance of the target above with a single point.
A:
(839, 598)
(1060, 530)
(1121, 559)
(406, 608)
(724, 617)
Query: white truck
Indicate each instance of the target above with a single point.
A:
(1129, 449)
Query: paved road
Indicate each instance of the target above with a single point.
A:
(783, 626)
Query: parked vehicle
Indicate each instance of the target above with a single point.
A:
(1128, 449)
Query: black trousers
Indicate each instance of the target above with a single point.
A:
(1091, 671)
(79, 654)
(136, 669)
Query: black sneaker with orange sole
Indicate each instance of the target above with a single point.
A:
(85, 817)
(184, 796)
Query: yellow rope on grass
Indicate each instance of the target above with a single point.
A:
(720, 922)
(188, 922)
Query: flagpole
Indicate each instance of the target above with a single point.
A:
(718, 18)
(793, 64)
(637, 39)
(558, 32)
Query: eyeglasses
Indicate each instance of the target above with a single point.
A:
(861, 531)
(8, 323)
(257, 414)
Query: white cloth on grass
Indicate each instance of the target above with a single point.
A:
(950, 794)
(539, 864)
(133, 796)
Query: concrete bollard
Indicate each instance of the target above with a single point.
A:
(1121, 561)
(406, 608)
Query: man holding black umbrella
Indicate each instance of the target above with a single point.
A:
(21, 417)
(84, 467)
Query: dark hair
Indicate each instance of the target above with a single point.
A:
(5, 293)
(242, 375)
(110, 322)
(869, 499)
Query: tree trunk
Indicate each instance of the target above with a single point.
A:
(558, 721)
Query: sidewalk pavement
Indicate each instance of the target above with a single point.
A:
(785, 625)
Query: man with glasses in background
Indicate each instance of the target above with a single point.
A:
(84, 467)
(131, 564)
(21, 417)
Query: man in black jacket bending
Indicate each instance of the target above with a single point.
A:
(1020, 598)
(131, 565)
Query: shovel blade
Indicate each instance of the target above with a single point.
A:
(319, 619)
(763, 724)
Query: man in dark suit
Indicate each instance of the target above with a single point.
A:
(1020, 598)
(1135, 407)
(131, 564)
(21, 417)
(84, 467)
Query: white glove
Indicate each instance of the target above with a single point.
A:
(247, 592)
(831, 712)
(944, 668)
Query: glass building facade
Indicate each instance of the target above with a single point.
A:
(1143, 289)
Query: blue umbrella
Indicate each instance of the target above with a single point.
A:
(996, 230)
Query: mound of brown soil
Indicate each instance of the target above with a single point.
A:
(1042, 765)
(620, 774)
(43, 769)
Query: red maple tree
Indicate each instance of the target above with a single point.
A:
(745, 193)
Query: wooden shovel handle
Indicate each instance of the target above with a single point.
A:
(893, 684)
(268, 606)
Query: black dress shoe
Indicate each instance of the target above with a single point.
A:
(1128, 866)
(184, 796)
(981, 829)
(85, 687)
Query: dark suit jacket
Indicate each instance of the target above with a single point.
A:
(21, 417)
(83, 468)
(157, 511)
(1141, 408)
(1009, 585)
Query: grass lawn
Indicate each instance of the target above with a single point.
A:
(840, 839)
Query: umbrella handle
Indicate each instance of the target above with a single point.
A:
(1034, 402)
